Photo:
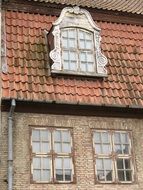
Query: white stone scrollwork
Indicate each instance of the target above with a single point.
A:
(55, 54)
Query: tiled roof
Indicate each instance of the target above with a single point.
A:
(130, 6)
(27, 77)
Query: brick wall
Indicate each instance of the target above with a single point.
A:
(83, 150)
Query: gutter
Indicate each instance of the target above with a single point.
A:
(10, 144)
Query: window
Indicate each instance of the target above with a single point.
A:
(113, 156)
(52, 155)
(76, 48)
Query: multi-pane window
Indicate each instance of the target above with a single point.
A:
(52, 155)
(77, 50)
(113, 157)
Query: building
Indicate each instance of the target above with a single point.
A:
(72, 95)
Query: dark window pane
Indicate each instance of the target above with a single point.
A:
(109, 175)
(129, 175)
(120, 164)
(68, 175)
(127, 164)
(59, 175)
(121, 176)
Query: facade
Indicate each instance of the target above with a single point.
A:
(72, 95)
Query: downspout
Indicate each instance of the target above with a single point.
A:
(10, 144)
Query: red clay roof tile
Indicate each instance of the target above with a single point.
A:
(27, 76)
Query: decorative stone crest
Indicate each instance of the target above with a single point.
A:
(76, 17)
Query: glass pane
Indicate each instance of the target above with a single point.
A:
(66, 148)
(83, 56)
(117, 138)
(105, 137)
(58, 163)
(98, 149)
(35, 135)
(81, 34)
(100, 175)
(65, 33)
(125, 149)
(97, 137)
(90, 57)
(36, 147)
(45, 175)
(121, 176)
(127, 164)
(46, 163)
(73, 65)
(57, 136)
(90, 67)
(68, 174)
(66, 65)
(45, 147)
(129, 175)
(64, 43)
(106, 149)
(58, 147)
(125, 138)
(120, 164)
(72, 56)
(71, 33)
(99, 164)
(108, 174)
(36, 175)
(72, 43)
(59, 175)
(89, 44)
(65, 55)
(36, 163)
(118, 149)
(88, 36)
(83, 66)
(44, 135)
(107, 164)
(67, 163)
(82, 44)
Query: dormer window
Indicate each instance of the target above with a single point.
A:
(76, 47)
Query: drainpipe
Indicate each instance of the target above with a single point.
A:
(10, 145)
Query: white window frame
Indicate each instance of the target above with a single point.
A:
(114, 156)
(53, 155)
